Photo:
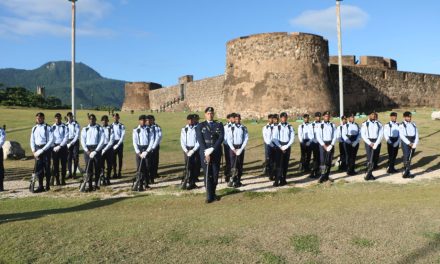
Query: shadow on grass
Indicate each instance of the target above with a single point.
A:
(7, 218)
(431, 247)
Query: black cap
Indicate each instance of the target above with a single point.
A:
(40, 114)
(326, 113)
(196, 116)
(142, 117)
(57, 115)
(237, 115)
(116, 114)
(343, 117)
(269, 116)
(283, 114)
(306, 116)
(393, 114)
(275, 116)
(372, 112)
(69, 114)
(152, 117)
(209, 109)
(228, 116)
(189, 117)
(149, 117)
(352, 114)
(92, 116)
(104, 117)
(318, 114)
(407, 114)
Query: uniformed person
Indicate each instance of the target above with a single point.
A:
(107, 154)
(143, 140)
(237, 138)
(391, 135)
(118, 145)
(41, 142)
(226, 127)
(190, 147)
(72, 145)
(59, 149)
(92, 142)
(315, 146)
(283, 138)
(343, 157)
(409, 135)
(157, 139)
(196, 119)
(210, 135)
(2, 168)
(351, 133)
(326, 137)
(305, 136)
(269, 148)
(372, 133)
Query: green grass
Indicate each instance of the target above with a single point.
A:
(306, 243)
(270, 258)
(362, 242)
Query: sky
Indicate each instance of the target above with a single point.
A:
(158, 41)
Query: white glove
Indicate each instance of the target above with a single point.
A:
(115, 147)
(57, 148)
(144, 154)
(283, 148)
(354, 144)
(149, 150)
(103, 151)
(375, 147)
(414, 146)
(308, 143)
(68, 145)
(396, 144)
(238, 152)
(38, 153)
(209, 151)
(329, 148)
(190, 153)
(92, 154)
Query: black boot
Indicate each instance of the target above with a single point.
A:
(1, 186)
(63, 180)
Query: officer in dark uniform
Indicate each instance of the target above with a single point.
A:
(2, 168)
(210, 135)
(41, 142)
(107, 154)
(391, 135)
(72, 145)
(315, 147)
(118, 145)
(351, 133)
(409, 135)
(142, 143)
(92, 142)
(59, 153)
(196, 119)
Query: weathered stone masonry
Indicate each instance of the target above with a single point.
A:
(291, 72)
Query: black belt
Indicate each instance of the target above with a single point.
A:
(328, 142)
(56, 145)
(92, 147)
(352, 137)
(394, 139)
(283, 143)
(237, 146)
(306, 140)
(373, 140)
(41, 146)
(189, 148)
(411, 139)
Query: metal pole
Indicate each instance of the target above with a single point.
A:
(341, 84)
(73, 57)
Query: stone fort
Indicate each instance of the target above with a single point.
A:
(292, 72)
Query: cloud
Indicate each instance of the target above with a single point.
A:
(52, 17)
(324, 21)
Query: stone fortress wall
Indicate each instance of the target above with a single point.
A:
(291, 72)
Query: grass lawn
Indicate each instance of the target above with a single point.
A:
(331, 223)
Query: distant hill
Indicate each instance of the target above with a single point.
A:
(55, 76)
